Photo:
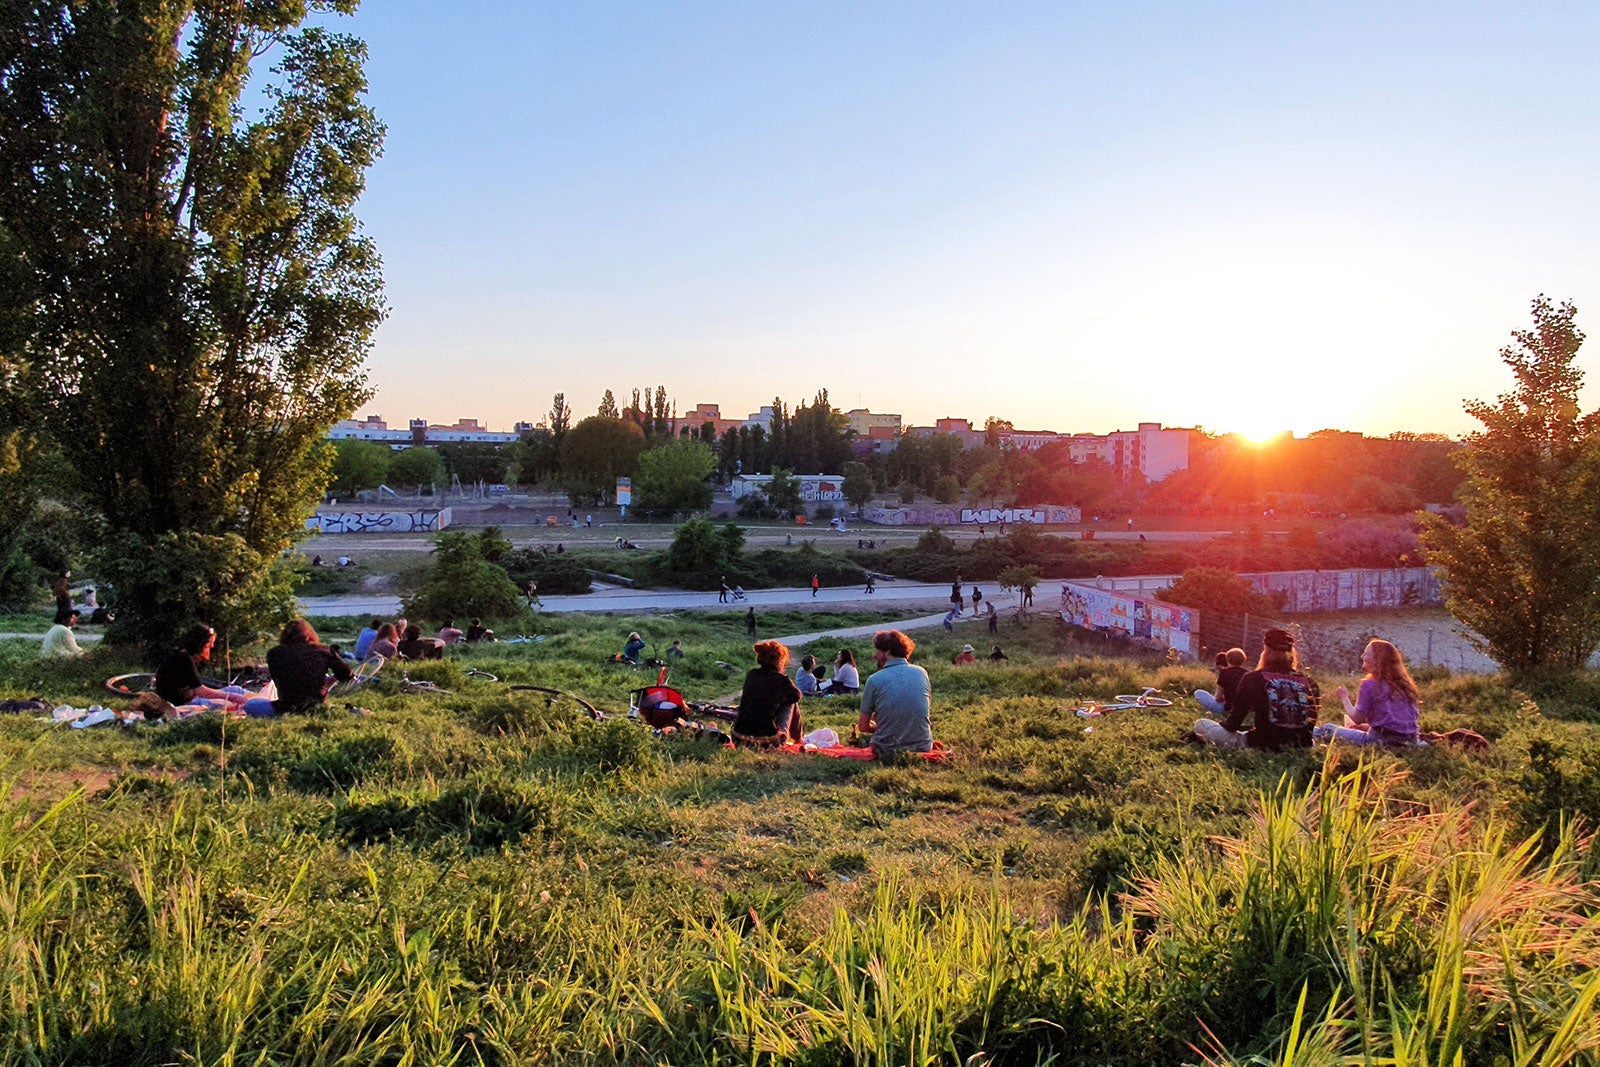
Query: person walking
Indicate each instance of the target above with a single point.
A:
(750, 622)
(872, 582)
(722, 591)
(533, 595)
(956, 598)
(816, 583)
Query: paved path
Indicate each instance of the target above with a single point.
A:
(617, 599)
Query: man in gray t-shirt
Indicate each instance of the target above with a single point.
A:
(897, 700)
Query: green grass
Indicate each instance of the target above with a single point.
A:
(485, 877)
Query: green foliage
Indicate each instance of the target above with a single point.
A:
(223, 298)
(418, 465)
(783, 493)
(858, 484)
(1524, 569)
(596, 452)
(180, 579)
(555, 574)
(674, 476)
(464, 581)
(702, 551)
(359, 465)
(1217, 590)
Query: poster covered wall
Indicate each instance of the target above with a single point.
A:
(1148, 621)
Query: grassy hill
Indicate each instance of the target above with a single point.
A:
(482, 877)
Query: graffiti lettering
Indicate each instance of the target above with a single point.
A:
(350, 522)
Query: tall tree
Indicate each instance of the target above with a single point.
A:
(675, 476)
(196, 296)
(595, 453)
(560, 417)
(608, 407)
(1524, 571)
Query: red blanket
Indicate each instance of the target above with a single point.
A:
(940, 751)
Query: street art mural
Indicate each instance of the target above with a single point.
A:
(1356, 588)
(953, 515)
(430, 520)
(1147, 621)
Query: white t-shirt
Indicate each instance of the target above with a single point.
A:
(846, 676)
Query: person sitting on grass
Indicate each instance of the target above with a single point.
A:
(364, 639)
(805, 679)
(1230, 669)
(1279, 701)
(998, 657)
(449, 634)
(386, 644)
(846, 677)
(897, 701)
(965, 656)
(178, 675)
(477, 631)
(59, 641)
(769, 704)
(300, 665)
(1385, 709)
(415, 646)
(633, 648)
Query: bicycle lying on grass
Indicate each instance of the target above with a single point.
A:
(1093, 709)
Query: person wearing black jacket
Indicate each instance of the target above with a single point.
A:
(1275, 705)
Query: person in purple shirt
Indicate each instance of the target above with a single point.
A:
(1385, 709)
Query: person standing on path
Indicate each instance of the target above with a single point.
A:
(956, 598)
(816, 584)
(533, 595)
(977, 598)
(722, 591)
(750, 622)
(994, 619)
(872, 582)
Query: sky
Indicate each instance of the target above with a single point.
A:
(1079, 217)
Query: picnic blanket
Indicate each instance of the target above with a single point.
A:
(940, 753)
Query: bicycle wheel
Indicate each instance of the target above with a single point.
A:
(560, 697)
(485, 675)
(1155, 702)
(128, 685)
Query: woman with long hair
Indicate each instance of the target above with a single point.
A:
(769, 706)
(1276, 701)
(387, 643)
(300, 665)
(846, 676)
(1385, 711)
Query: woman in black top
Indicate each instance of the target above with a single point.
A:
(769, 706)
(299, 665)
(178, 676)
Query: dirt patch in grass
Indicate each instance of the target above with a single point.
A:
(50, 786)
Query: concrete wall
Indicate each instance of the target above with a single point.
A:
(955, 515)
(421, 520)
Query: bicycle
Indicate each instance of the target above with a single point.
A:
(420, 685)
(1121, 702)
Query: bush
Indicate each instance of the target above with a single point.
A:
(554, 573)
(463, 583)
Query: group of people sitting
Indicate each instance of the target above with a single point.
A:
(896, 702)
(301, 667)
(1276, 705)
(405, 639)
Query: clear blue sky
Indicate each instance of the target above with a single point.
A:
(1250, 217)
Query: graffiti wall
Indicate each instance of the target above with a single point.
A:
(1147, 621)
(1355, 588)
(430, 520)
(954, 515)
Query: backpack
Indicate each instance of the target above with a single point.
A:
(1292, 701)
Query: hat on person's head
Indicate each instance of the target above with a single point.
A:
(967, 648)
(1278, 640)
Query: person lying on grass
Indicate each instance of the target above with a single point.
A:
(300, 665)
(769, 705)
(897, 701)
